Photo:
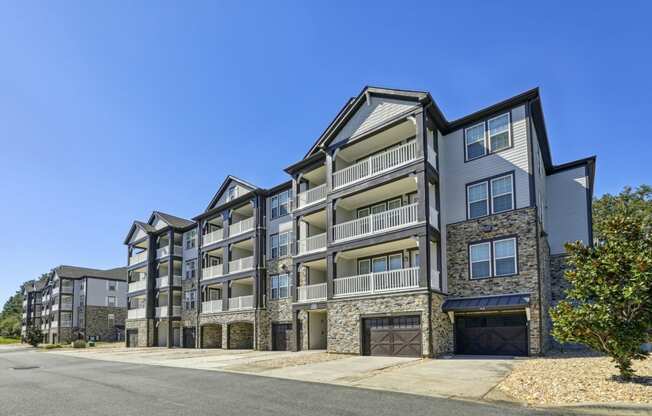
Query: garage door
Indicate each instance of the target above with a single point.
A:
(132, 338)
(491, 334)
(189, 337)
(392, 336)
(281, 336)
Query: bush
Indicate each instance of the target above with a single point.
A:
(33, 336)
(80, 343)
(91, 343)
(52, 346)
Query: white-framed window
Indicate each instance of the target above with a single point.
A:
(281, 204)
(380, 264)
(493, 196)
(480, 260)
(280, 286)
(280, 244)
(475, 142)
(487, 137)
(191, 239)
(494, 258)
(191, 269)
(110, 320)
(505, 257)
(478, 199)
(189, 299)
(502, 194)
(111, 285)
(111, 301)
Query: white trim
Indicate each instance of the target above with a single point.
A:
(511, 177)
(484, 140)
(468, 199)
(495, 258)
(509, 131)
(486, 243)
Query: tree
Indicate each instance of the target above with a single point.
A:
(609, 304)
(34, 336)
(10, 317)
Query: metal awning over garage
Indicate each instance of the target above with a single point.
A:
(487, 303)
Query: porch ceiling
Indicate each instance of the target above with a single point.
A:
(318, 219)
(381, 193)
(379, 141)
(398, 245)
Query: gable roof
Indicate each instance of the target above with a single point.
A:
(171, 220)
(222, 189)
(138, 224)
(74, 272)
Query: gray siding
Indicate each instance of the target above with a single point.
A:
(539, 180)
(274, 226)
(567, 214)
(97, 292)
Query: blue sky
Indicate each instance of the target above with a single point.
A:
(110, 110)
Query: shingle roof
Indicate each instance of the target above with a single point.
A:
(148, 228)
(175, 222)
(487, 303)
(74, 272)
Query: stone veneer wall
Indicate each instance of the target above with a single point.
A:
(277, 310)
(558, 281)
(546, 289)
(302, 319)
(97, 322)
(442, 327)
(344, 318)
(225, 319)
(141, 325)
(521, 223)
(241, 335)
(211, 336)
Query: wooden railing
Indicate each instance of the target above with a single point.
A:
(389, 281)
(311, 196)
(376, 164)
(136, 313)
(376, 223)
(311, 244)
(312, 292)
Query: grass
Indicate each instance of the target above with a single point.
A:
(4, 340)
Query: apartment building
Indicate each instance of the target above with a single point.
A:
(72, 303)
(398, 233)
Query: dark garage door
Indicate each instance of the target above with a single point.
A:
(281, 337)
(392, 336)
(491, 334)
(132, 338)
(189, 337)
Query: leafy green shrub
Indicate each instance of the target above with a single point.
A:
(33, 336)
(91, 343)
(80, 343)
(52, 346)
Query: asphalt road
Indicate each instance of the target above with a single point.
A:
(69, 386)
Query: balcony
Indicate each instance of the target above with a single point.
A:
(434, 217)
(64, 306)
(165, 251)
(213, 237)
(138, 285)
(138, 258)
(164, 281)
(375, 165)
(212, 306)
(376, 223)
(241, 227)
(212, 272)
(162, 311)
(311, 293)
(136, 313)
(241, 303)
(240, 265)
(311, 244)
(311, 196)
(383, 282)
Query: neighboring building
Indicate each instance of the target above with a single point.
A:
(399, 233)
(78, 303)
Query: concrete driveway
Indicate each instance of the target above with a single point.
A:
(459, 377)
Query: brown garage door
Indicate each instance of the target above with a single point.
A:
(491, 334)
(281, 337)
(392, 336)
(132, 338)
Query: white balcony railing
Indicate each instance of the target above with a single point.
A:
(376, 223)
(136, 313)
(54, 324)
(241, 302)
(212, 306)
(161, 311)
(311, 196)
(64, 306)
(212, 272)
(376, 164)
(389, 281)
(164, 281)
(213, 237)
(165, 251)
(311, 244)
(137, 285)
(55, 291)
(67, 288)
(242, 264)
(138, 258)
(311, 293)
(434, 217)
(241, 227)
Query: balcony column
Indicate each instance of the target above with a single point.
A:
(226, 254)
(259, 252)
(330, 222)
(296, 280)
(198, 271)
(226, 294)
(226, 221)
(424, 260)
(422, 195)
(149, 297)
(170, 280)
(419, 120)
(331, 272)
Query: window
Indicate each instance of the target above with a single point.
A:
(505, 257)
(189, 298)
(502, 194)
(364, 266)
(363, 212)
(490, 196)
(495, 258)
(191, 239)
(395, 262)
(487, 137)
(475, 141)
(111, 301)
(110, 320)
(280, 204)
(499, 132)
(380, 264)
(480, 260)
(191, 272)
(111, 286)
(232, 193)
(280, 244)
(394, 203)
(280, 286)
(478, 200)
